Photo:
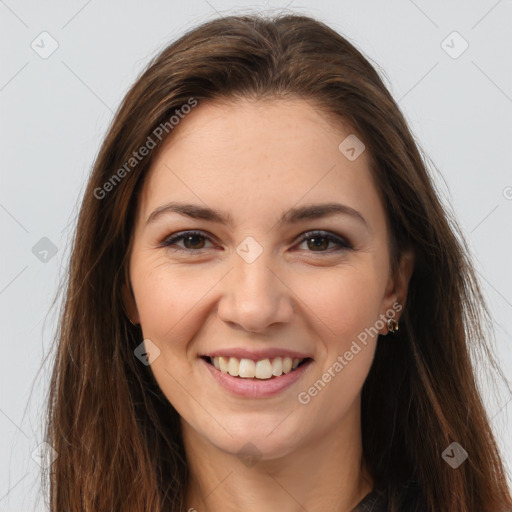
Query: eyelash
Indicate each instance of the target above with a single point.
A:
(342, 243)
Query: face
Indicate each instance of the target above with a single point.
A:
(251, 270)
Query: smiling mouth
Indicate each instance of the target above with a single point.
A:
(264, 369)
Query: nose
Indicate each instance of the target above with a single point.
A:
(255, 297)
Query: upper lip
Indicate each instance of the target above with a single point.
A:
(256, 355)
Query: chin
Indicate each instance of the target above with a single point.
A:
(266, 440)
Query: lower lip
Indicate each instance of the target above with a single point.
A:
(257, 388)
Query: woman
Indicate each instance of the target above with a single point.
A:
(268, 307)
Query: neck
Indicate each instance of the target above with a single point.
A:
(324, 473)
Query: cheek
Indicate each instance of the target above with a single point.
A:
(170, 302)
(344, 300)
(169, 298)
(344, 307)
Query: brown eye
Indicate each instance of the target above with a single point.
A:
(192, 241)
(319, 242)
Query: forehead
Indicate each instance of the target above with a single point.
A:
(245, 154)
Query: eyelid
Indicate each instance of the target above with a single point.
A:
(342, 242)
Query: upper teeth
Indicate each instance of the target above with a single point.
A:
(262, 369)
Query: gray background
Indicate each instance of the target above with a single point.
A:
(55, 112)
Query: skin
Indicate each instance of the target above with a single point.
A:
(253, 160)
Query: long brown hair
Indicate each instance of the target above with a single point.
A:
(118, 438)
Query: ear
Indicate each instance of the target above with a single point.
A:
(129, 304)
(396, 291)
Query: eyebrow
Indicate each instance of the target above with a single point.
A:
(292, 216)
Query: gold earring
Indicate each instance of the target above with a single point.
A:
(392, 325)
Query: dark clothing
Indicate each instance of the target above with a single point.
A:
(372, 502)
(376, 502)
